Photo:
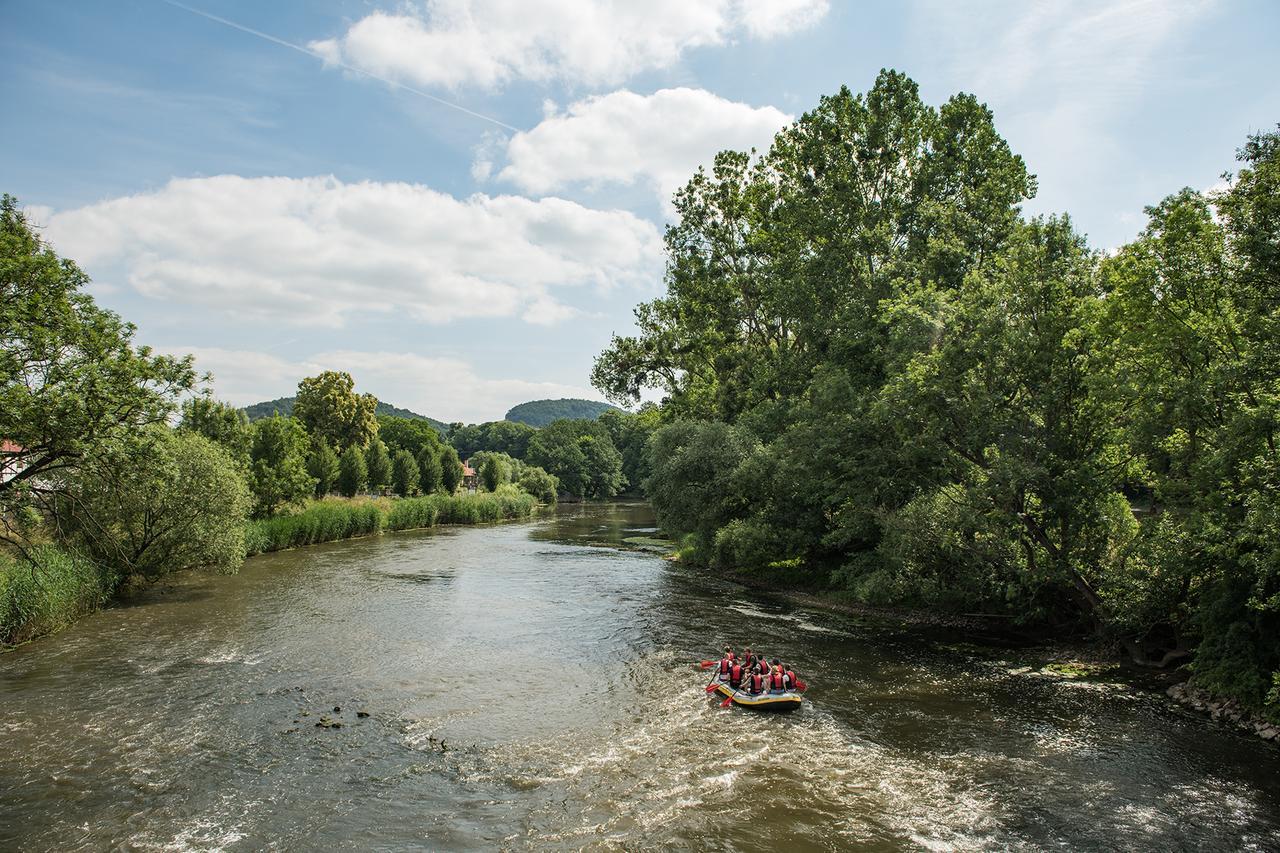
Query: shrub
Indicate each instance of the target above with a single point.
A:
(47, 593)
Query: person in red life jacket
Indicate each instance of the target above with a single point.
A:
(763, 665)
(755, 684)
(791, 677)
(749, 658)
(726, 662)
(735, 675)
(777, 680)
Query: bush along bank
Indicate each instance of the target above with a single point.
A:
(51, 586)
(333, 519)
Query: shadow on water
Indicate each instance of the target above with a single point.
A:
(527, 685)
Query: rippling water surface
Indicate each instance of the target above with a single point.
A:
(528, 686)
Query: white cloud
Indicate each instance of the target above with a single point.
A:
(488, 43)
(622, 138)
(314, 251)
(446, 389)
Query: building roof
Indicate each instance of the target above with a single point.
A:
(467, 470)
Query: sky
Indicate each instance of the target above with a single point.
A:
(459, 202)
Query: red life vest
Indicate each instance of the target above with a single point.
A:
(735, 674)
(724, 665)
(777, 681)
(757, 683)
(791, 679)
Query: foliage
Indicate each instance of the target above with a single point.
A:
(221, 423)
(450, 470)
(328, 406)
(278, 474)
(322, 465)
(581, 455)
(430, 472)
(46, 590)
(72, 384)
(404, 473)
(378, 464)
(494, 468)
(323, 521)
(162, 503)
(353, 475)
(284, 406)
(407, 434)
(496, 436)
(540, 413)
(538, 483)
(630, 435)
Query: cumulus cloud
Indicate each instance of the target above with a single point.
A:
(314, 251)
(623, 138)
(447, 389)
(488, 43)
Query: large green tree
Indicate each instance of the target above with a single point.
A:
(73, 385)
(404, 473)
(378, 464)
(322, 465)
(353, 475)
(330, 409)
(159, 503)
(581, 455)
(219, 422)
(278, 473)
(450, 470)
(430, 472)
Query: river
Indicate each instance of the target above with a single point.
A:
(528, 686)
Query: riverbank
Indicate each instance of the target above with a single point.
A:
(56, 587)
(1078, 659)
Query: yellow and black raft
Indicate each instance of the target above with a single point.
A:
(787, 700)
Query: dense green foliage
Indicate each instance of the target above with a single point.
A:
(322, 465)
(331, 520)
(166, 501)
(353, 473)
(404, 473)
(407, 434)
(221, 423)
(497, 436)
(450, 470)
(540, 413)
(45, 590)
(278, 473)
(581, 455)
(330, 409)
(537, 482)
(377, 464)
(878, 372)
(430, 471)
(72, 383)
(284, 406)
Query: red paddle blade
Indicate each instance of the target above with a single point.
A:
(800, 685)
(711, 687)
(707, 663)
(726, 703)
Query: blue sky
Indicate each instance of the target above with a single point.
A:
(279, 212)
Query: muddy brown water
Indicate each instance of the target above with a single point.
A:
(529, 686)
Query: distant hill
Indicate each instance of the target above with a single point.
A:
(284, 406)
(539, 413)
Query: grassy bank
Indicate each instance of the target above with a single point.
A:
(55, 587)
(333, 519)
(46, 592)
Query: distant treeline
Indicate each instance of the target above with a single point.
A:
(883, 381)
(284, 406)
(540, 413)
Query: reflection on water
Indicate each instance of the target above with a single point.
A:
(525, 685)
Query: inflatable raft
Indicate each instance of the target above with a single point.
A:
(788, 700)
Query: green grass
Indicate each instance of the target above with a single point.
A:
(47, 593)
(333, 519)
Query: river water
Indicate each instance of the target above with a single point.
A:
(528, 686)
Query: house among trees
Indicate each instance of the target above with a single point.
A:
(11, 460)
(470, 479)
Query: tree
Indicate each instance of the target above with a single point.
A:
(353, 476)
(378, 464)
(221, 423)
(322, 464)
(580, 455)
(411, 434)
(72, 384)
(430, 473)
(491, 474)
(329, 408)
(278, 474)
(539, 483)
(404, 473)
(163, 502)
(450, 470)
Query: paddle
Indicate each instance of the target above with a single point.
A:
(727, 702)
(712, 686)
(708, 663)
(800, 686)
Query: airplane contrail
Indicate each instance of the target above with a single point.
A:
(328, 61)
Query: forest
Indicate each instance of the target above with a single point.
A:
(882, 380)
